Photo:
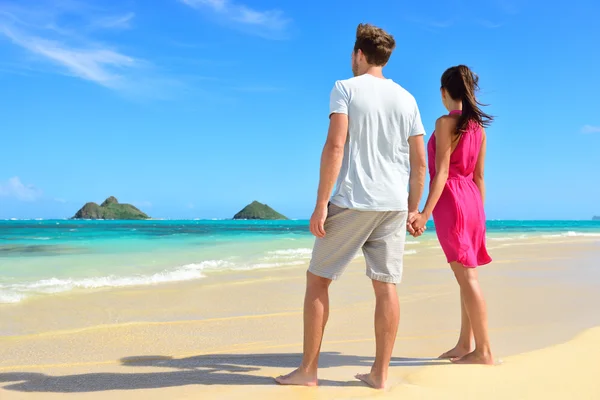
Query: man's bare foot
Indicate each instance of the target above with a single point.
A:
(475, 357)
(369, 379)
(456, 352)
(298, 378)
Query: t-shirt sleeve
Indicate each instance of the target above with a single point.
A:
(338, 100)
(417, 125)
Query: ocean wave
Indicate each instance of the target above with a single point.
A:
(288, 255)
(302, 252)
(14, 293)
(267, 265)
(58, 285)
(506, 238)
(552, 235)
(572, 234)
(10, 298)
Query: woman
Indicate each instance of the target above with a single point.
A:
(456, 196)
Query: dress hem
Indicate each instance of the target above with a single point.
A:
(470, 266)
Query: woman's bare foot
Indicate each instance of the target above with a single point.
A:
(369, 379)
(475, 357)
(456, 352)
(298, 378)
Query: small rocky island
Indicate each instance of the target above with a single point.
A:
(260, 211)
(596, 218)
(110, 209)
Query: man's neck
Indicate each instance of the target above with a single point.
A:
(375, 71)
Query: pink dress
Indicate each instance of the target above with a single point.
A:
(459, 216)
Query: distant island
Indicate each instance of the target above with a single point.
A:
(257, 210)
(596, 218)
(110, 209)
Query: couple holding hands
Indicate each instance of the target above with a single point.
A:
(375, 149)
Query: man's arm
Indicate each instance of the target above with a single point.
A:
(331, 158)
(331, 163)
(418, 170)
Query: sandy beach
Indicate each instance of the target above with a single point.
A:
(227, 335)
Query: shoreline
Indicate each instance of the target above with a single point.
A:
(190, 271)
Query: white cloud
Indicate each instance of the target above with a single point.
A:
(14, 188)
(433, 24)
(590, 129)
(114, 21)
(60, 37)
(430, 23)
(99, 65)
(507, 6)
(216, 4)
(486, 23)
(270, 24)
(259, 89)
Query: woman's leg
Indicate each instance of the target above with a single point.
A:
(477, 314)
(464, 345)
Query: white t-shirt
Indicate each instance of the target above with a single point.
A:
(375, 170)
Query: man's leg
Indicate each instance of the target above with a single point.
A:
(387, 317)
(347, 231)
(316, 313)
(384, 251)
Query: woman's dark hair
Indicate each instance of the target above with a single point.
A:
(463, 84)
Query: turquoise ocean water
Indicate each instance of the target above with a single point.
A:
(54, 256)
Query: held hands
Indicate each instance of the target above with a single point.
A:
(415, 223)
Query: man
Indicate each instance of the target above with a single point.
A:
(374, 150)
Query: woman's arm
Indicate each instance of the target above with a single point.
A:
(479, 168)
(444, 131)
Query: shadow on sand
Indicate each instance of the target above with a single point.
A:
(198, 370)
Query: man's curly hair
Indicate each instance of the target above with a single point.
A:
(375, 43)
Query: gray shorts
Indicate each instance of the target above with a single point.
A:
(380, 234)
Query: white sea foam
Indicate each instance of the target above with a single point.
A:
(8, 297)
(13, 293)
(507, 238)
(410, 252)
(267, 265)
(303, 252)
(572, 234)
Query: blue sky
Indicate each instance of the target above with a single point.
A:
(193, 108)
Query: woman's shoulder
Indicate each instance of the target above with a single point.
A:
(446, 124)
